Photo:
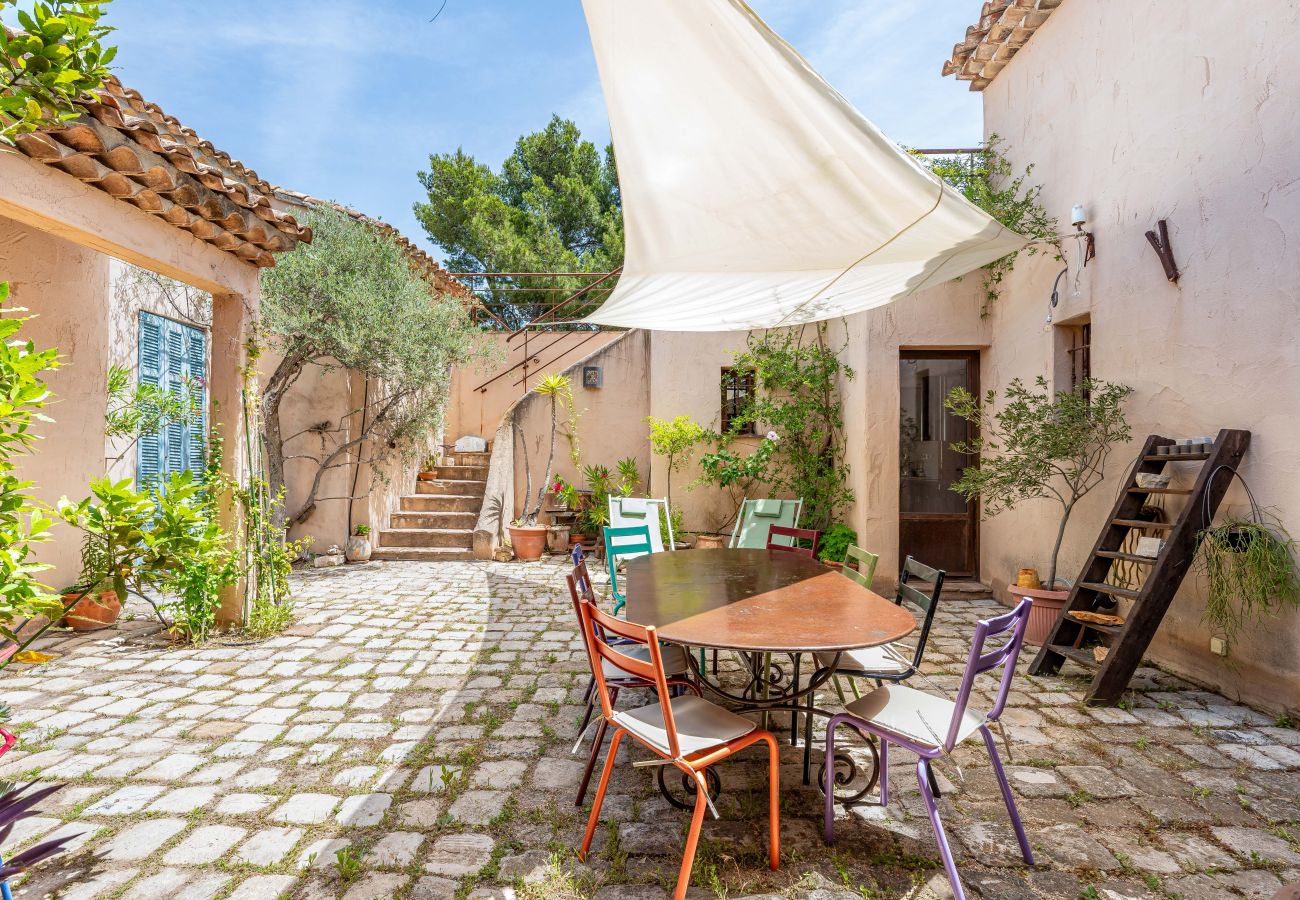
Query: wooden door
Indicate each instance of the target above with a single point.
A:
(936, 526)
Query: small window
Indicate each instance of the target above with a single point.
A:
(1080, 353)
(737, 392)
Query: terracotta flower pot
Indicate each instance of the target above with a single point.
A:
(1044, 613)
(528, 540)
(710, 542)
(427, 476)
(92, 612)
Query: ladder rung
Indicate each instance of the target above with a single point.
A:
(1181, 457)
(1142, 523)
(1111, 589)
(1142, 490)
(1082, 657)
(1128, 557)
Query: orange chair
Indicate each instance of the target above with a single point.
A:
(794, 535)
(687, 731)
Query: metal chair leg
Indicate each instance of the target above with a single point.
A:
(692, 836)
(591, 761)
(794, 716)
(1007, 796)
(594, 819)
(924, 778)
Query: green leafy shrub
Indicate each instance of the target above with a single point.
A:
(674, 439)
(1250, 569)
(23, 394)
(835, 541)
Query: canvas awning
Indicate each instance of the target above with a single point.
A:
(754, 195)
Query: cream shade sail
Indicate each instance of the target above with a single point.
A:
(754, 195)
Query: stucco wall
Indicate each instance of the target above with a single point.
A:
(66, 287)
(476, 412)
(611, 418)
(1186, 111)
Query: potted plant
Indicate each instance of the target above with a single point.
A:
(1250, 571)
(429, 468)
(135, 540)
(92, 602)
(528, 537)
(835, 541)
(358, 547)
(1040, 445)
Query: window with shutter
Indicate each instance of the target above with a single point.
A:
(172, 355)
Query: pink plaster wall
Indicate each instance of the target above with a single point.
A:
(1185, 111)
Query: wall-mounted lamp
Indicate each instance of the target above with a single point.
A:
(1087, 243)
(1056, 298)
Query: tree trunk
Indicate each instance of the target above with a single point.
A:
(1056, 548)
(528, 475)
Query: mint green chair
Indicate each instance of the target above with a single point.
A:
(622, 543)
(758, 516)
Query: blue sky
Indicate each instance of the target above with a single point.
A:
(346, 99)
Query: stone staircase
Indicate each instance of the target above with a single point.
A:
(437, 521)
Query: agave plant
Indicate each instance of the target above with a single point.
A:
(17, 802)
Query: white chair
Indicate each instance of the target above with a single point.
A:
(628, 512)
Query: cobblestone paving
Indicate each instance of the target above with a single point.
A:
(410, 737)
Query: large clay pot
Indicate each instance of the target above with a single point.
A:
(557, 538)
(1043, 614)
(528, 540)
(358, 549)
(710, 542)
(92, 612)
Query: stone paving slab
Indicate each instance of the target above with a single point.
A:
(410, 736)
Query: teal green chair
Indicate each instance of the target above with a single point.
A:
(758, 516)
(633, 541)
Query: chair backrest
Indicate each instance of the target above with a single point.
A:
(628, 512)
(595, 626)
(579, 557)
(979, 661)
(757, 516)
(779, 537)
(624, 543)
(865, 573)
(928, 603)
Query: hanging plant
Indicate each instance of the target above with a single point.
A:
(1249, 566)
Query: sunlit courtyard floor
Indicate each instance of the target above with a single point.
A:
(410, 736)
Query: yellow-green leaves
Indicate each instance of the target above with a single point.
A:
(54, 60)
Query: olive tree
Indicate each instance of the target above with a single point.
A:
(352, 299)
(1039, 445)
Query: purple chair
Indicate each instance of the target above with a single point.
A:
(914, 720)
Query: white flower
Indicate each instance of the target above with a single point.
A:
(773, 436)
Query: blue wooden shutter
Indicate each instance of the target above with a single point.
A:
(196, 368)
(149, 458)
(173, 356)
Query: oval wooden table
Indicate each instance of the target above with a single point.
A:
(760, 602)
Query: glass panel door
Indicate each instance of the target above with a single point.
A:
(936, 525)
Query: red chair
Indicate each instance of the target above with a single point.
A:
(795, 535)
(686, 732)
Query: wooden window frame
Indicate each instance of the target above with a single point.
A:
(735, 393)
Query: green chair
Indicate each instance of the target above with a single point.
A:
(758, 516)
(632, 541)
(866, 569)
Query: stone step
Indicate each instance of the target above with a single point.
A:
(467, 459)
(464, 487)
(427, 537)
(434, 519)
(441, 503)
(463, 472)
(423, 554)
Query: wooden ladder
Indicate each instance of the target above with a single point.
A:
(1128, 642)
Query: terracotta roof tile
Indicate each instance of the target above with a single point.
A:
(1003, 28)
(133, 151)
